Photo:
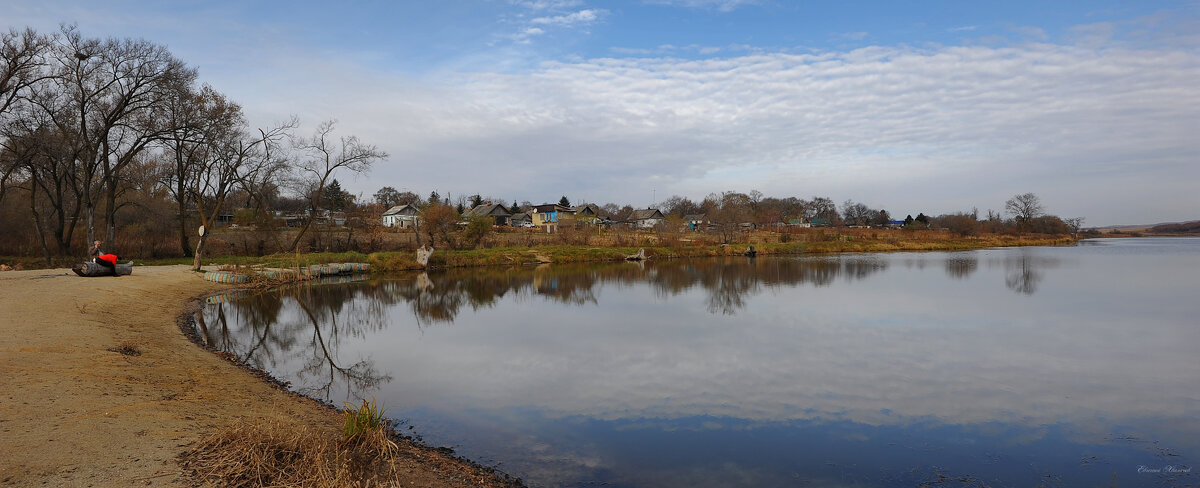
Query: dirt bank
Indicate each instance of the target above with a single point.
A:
(100, 388)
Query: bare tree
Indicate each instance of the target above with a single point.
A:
(22, 65)
(106, 97)
(388, 197)
(235, 155)
(679, 206)
(824, 208)
(1075, 224)
(44, 156)
(727, 212)
(188, 113)
(1024, 208)
(857, 214)
(326, 156)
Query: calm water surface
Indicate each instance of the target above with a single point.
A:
(1069, 366)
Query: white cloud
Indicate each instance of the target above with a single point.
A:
(553, 15)
(525, 35)
(719, 5)
(538, 5)
(576, 18)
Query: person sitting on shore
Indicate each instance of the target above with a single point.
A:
(95, 252)
(108, 260)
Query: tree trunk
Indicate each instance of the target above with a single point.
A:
(423, 255)
(90, 268)
(37, 223)
(184, 242)
(89, 216)
(199, 252)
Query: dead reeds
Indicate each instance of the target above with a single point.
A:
(276, 454)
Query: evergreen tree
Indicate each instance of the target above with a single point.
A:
(335, 197)
(564, 202)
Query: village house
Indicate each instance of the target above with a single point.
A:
(489, 209)
(521, 219)
(402, 216)
(586, 211)
(546, 216)
(695, 222)
(647, 218)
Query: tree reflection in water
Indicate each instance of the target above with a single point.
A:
(260, 334)
(329, 313)
(1023, 272)
(961, 266)
(266, 330)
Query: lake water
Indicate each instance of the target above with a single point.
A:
(1062, 366)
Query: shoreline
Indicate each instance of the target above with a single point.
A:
(104, 389)
(187, 326)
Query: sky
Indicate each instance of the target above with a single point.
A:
(931, 106)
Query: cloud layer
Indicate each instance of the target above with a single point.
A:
(956, 126)
(1101, 123)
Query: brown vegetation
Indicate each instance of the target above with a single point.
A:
(1190, 228)
(255, 454)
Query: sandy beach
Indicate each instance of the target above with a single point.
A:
(101, 388)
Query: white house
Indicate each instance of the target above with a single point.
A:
(402, 216)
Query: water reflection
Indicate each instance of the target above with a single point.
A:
(1025, 269)
(867, 370)
(303, 324)
(961, 266)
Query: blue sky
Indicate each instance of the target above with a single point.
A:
(928, 107)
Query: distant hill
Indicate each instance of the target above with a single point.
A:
(1192, 227)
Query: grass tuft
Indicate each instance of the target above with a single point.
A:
(127, 349)
(366, 418)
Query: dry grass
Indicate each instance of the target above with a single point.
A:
(126, 349)
(251, 454)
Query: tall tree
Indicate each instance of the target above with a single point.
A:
(196, 122)
(47, 157)
(823, 208)
(236, 155)
(109, 96)
(22, 65)
(1024, 208)
(387, 197)
(326, 155)
(727, 212)
(564, 202)
(856, 214)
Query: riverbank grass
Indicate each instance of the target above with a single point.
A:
(255, 454)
